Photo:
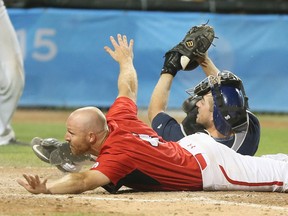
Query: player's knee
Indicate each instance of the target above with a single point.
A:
(12, 85)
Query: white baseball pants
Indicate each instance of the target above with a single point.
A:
(224, 169)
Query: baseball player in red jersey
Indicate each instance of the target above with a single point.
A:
(130, 153)
(131, 144)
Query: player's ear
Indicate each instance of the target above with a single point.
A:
(92, 138)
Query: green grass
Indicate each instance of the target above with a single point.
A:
(23, 156)
(26, 131)
(274, 139)
(18, 156)
(274, 131)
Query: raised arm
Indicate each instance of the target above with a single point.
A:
(73, 183)
(160, 96)
(183, 56)
(123, 54)
(161, 92)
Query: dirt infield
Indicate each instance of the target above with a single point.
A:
(14, 200)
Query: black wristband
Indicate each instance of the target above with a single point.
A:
(169, 71)
(172, 63)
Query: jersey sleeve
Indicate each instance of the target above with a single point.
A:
(167, 127)
(122, 108)
(115, 167)
(124, 113)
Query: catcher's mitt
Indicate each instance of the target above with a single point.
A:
(194, 46)
(196, 42)
(58, 153)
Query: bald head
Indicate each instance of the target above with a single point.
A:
(87, 130)
(89, 119)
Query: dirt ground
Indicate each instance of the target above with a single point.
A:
(14, 200)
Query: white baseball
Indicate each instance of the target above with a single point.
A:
(184, 61)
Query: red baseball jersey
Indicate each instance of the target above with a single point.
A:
(134, 155)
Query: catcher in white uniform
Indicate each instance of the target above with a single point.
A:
(11, 76)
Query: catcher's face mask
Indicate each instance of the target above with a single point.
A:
(230, 101)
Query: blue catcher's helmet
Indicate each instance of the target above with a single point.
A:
(230, 101)
(229, 108)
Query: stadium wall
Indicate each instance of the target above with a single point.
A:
(66, 65)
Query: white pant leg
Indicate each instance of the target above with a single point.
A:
(228, 170)
(279, 156)
(11, 74)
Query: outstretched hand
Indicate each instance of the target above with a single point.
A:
(33, 184)
(123, 51)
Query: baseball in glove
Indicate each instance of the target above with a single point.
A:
(188, 53)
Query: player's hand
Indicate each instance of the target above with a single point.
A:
(33, 184)
(123, 52)
(203, 60)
